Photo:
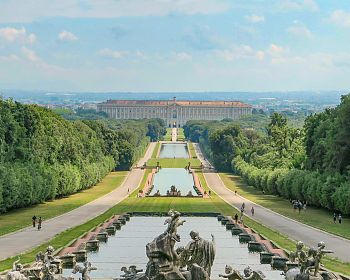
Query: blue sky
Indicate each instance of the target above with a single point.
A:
(175, 45)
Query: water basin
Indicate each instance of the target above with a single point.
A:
(171, 150)
(128, 247)
(166, 177)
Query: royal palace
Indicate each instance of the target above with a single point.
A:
(174, 112)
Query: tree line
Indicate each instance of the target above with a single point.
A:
(44, 156)
(309, 163)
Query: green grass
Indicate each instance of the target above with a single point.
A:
(147, 204)
(174, 163)
(167, 136)
(180, 134)
(20, 218)
(316, 217)
(155, 151)
(191, 150)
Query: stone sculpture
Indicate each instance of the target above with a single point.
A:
(85, 271)
(248, 274)
(167, 263)
(17, 272)
(309, 264)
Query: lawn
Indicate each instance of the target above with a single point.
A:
(180, 134)
(174, 163)
(191, 150)
(316, 217)
(167, 136)
(132, 203)
(20, 218)
(156, 150)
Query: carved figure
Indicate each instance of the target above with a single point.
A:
(16, 273)
(200, 252)
(248, 274)
(299, 256)
(85, 271)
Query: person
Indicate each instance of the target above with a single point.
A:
(339, 218)
(235, 192)
(34, 220)
(39, 223)
(253, 211)
(300, 206)
(209, 193)
(334, 217)
(243, 206)
(236, 218)
(128, 190)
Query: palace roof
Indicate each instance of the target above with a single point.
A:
(177, 102)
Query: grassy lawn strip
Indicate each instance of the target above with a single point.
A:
(167, 136)
(155, 151)
(20, 218)
(191, 150)
(180, 134)
(174, 163)
(316, 217)
(132, 203)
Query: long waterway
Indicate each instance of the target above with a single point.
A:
(173, 150)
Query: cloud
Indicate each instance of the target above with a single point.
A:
(182, 56)
(27, 11)
(340, 18)
(240, 52)
(298, 29)
(11, 57)
(299, 5)
(106, 52)
(30, 54)
(66, 36)
(201, 37)
(10, 34)
(255, 18)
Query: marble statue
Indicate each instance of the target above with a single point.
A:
(85, 271)
(309, 264)
(248, 274)
(200, 252)
(17, 272)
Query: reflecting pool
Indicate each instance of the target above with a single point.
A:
(179, 177)
(170, 150)
(127, 247)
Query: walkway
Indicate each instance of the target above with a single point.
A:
(291, 228)
(28, 238)
(173, 134)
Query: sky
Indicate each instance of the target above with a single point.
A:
(175, 45)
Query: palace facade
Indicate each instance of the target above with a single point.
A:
(174, 112)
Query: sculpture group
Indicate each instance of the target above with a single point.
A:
(47, 267)
(308, 263)
(165, 262)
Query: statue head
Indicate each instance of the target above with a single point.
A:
(50, 250)
(124, 269)
(300, 245)
(19, 267)
(247, 271)
(228, 269)
(321, 245)
(194, 234)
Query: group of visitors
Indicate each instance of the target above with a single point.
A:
(252, 211)
(337, 217)
(298, 205)
(34, 222)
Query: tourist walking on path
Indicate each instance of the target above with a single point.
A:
(236, 218)
(252, 210)
(339, 218)
(334, 217)
(39, 223)
(34, 221)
